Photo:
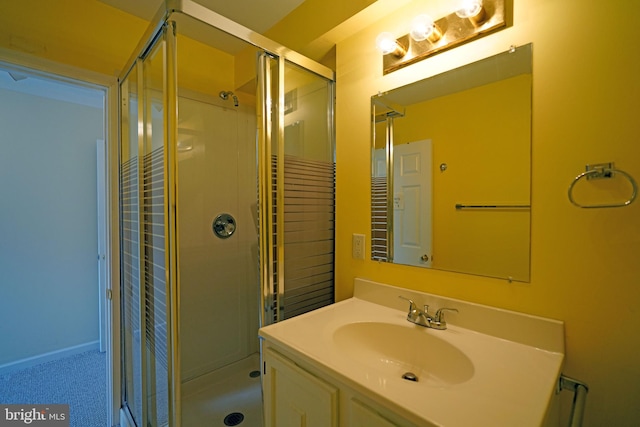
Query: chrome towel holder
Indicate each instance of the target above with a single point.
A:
(601, 171)
(580, 391)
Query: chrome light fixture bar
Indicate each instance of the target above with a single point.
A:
(472, 19)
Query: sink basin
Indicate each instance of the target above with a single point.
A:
(395, 350)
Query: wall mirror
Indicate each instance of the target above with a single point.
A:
(451, 170)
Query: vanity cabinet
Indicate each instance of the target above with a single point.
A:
(297, 396)
(363, 416)
(344, 365)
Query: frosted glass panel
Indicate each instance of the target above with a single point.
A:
(129, 241)
(309, 177)
(142, 213)
(154, 240)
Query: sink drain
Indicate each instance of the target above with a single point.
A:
(410, 376)
(233, 419)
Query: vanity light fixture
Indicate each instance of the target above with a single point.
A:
(472, 19)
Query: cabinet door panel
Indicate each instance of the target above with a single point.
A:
(363, 416)
(295, 398)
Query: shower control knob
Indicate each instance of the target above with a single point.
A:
(224, 225)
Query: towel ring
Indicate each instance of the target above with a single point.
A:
(602, 171)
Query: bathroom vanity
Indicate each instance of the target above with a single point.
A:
(359, 362)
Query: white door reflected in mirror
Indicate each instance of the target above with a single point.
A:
(412, 216)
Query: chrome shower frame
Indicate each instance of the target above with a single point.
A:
(163, 25)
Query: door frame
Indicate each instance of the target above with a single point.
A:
(101, 184)
(111, 297)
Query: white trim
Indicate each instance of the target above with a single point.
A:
(35, 64)
(28, 362)
(114, 399)
(125, 419)
(103, 214)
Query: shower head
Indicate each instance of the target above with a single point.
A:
(226, 94)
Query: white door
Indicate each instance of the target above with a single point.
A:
(412, 187)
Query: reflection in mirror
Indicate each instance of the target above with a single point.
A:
(451, 169)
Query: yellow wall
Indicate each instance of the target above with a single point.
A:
(303, 28)
(85, 34)
(204, 69)
(586, 101)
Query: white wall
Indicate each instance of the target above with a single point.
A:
(219, 289)
(48, 225)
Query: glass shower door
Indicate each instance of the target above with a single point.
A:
(297, 162)
(306, 167)
(144, 252)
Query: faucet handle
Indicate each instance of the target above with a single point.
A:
(412, 305)
(426, 310)
(439, 317)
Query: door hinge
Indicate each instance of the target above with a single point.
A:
(109, 294)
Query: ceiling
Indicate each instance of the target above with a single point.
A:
(257, 15)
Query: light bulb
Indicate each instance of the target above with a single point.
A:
(471, 10)
(387, 44)
(423, 27)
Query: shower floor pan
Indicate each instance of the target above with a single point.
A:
(217, 399)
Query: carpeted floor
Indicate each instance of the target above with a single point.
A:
(79, 381)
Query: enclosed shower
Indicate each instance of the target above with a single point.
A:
(227, 173)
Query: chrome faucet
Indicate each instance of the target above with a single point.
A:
(438, 320)
(417, 316)
(423, 318)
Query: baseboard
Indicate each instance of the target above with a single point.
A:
(48, 357)
(125, 419)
